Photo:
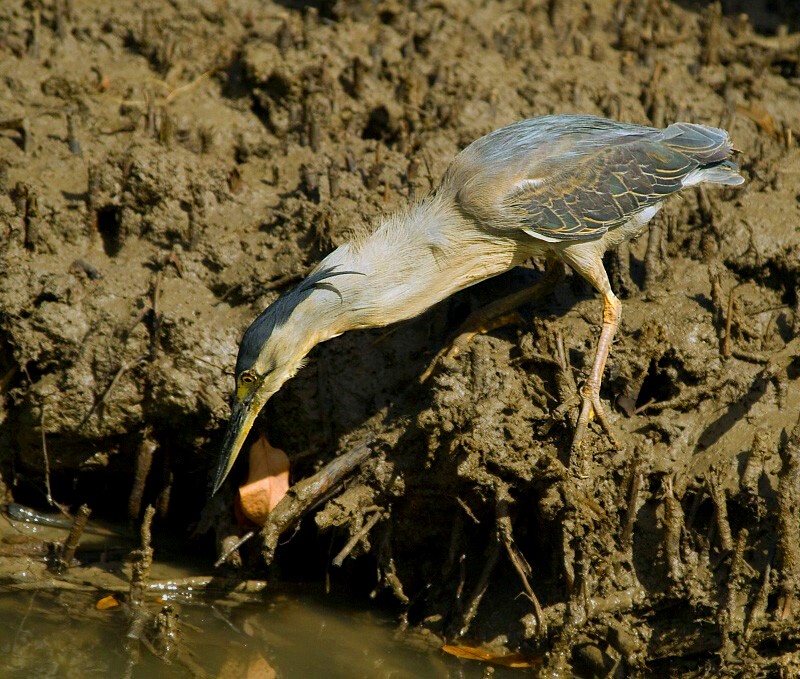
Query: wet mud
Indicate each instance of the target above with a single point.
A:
(167, 171)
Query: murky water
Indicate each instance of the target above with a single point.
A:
(56, 626)
(293, 633)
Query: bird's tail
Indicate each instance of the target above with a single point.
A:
(710, 147)
(725, 173)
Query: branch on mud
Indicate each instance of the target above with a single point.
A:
(231, 546)
(303, 496)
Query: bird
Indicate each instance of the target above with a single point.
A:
(563, 187)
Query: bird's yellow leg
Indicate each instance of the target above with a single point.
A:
(590, 391)
(496, 314)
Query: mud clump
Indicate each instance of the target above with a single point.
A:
(164, 176)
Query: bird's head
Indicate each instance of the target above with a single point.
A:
(271, 352)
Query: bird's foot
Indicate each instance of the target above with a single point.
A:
(470, 328)
(591, 407)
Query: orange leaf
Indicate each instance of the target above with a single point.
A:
(485, 655)
(107, 602)
(267, 481)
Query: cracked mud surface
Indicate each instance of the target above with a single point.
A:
(182, 166)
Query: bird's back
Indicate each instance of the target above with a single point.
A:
(568, 177)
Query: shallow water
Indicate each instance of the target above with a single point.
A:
(287, 630)
(294, 632)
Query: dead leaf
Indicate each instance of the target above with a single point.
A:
(486, 655)
(107, 602)
(267, 481)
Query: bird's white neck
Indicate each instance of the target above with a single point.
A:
(409, 263)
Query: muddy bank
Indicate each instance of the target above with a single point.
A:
(165, 175)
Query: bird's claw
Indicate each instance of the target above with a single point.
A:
(591, 407)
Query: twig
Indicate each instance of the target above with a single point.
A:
(387, 568)
(50, 499)
(185, 88)
(731, 615)
(234, 548)
(305, 494)
(125, 367)
(140, 571)
(142, 558)
(721, 516)
(489, 563)
(759, 607)
(73, 538)
(750, 356)
(518, 560)
(353, 541)
(72, 139)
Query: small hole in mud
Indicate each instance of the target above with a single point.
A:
(277, 87)
(378, 126)
(33, 371)
(656, 387)
(326, 9)
(108, 225)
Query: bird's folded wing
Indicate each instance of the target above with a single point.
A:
(605, 188)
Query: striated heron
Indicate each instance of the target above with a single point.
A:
(568, 187)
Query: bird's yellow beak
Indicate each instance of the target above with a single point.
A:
(243, 414)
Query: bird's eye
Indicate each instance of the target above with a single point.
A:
(247, 378)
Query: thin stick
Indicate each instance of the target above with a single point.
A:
(46, 457)
(235, 548)
(481, 586)
(518, 560)
(74, 537)
(721, 515)
(183, 88)
(122, 370)
(353, 541)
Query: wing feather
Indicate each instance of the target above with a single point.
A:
(575, 177)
